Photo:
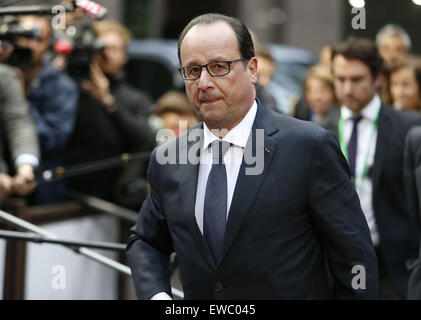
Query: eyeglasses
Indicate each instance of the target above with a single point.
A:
(215, 69)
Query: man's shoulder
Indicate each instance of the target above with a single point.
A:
(295, 129)
(180, 142)
(414, 135)
(402, 117)
(50, 75)
(191, 135)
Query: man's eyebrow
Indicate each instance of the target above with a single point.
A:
(217, 59)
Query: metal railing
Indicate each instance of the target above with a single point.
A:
(39, 235)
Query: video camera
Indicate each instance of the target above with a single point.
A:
(79, 48)
(78, 43)
(10, 30)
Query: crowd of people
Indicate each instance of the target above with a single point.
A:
(367, 93)
(52, 118)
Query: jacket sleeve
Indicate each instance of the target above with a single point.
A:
(133, 121)
(17, 123)
(150, 245)
(341, 224)
(409, 175)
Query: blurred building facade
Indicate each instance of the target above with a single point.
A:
(308, 24)
(305, 24)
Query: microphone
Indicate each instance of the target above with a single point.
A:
(92, 8)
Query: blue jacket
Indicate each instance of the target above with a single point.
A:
(53, 101)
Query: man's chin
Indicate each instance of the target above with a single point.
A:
(214, 120)
(352, 105)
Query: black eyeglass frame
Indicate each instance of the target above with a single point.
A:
(201, 66)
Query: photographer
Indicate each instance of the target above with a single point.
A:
(112, 119)
(53, 98)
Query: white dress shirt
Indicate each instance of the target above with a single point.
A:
(26, 158)
(366, 147)
(233, 158)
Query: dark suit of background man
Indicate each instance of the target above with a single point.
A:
(412, 179)
(288, 230)
(372, 135)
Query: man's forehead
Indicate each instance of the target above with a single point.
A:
(216, 38)
(112, 37)
(218, 30)
(354, 66)
(392, 39)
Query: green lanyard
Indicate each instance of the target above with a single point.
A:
(344, 145)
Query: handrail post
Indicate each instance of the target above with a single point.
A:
(15, 257)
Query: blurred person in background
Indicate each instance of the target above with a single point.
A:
(17, 136)
(320, 105)
(112, 119)
(171, 108)
(264, 85)
(53, 101)
(394, 45)
(325, 56)
(412, 179)
(372, 136)
(405, 85)
(273, 96)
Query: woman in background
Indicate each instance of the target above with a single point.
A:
(405, 86)
(319, 105)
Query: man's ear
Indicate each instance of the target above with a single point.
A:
(252, 69)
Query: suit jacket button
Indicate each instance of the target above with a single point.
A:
(218, 287)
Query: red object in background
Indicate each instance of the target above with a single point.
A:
(92, 8)
(63, 46)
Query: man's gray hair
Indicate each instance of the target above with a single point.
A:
(393, 30)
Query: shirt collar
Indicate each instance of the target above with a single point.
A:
(238, 135)
(370, 111)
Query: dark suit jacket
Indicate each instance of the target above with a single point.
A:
(398, 237)
(412, 179)
(289, 229)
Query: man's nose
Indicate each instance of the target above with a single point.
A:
(205, 80)
(348, 87)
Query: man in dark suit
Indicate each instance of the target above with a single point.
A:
(412, 179)
(274, 217)
(372, 137)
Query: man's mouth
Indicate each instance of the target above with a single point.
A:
(209, 101)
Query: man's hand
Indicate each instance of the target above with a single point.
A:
(23, 181)
(6, 185)
(99, 87)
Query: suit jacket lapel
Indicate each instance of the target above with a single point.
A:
(385, 131)
(248, 185)
(188, 175)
